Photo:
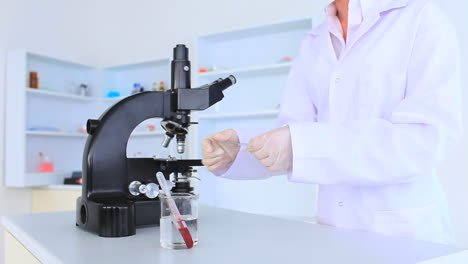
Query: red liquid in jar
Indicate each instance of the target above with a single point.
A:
(186, 236)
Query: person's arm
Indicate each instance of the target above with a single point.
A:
(296, 105)
(245, 166)
(415, 138)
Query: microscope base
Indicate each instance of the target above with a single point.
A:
(116, 218)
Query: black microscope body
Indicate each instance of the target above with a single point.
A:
(119, 194)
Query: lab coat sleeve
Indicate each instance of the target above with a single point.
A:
(410, 143)
(246, 166)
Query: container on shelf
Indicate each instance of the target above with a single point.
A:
(46, 164)
(113, 94)
(161, 87)
(150, 128)
(136, 88)
(83, 89)
(33, 80)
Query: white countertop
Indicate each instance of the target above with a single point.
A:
(225, 237)
(66, 187)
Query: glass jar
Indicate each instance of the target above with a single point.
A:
(187, 203)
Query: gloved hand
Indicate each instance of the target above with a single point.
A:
(273, 149)
(217, 155)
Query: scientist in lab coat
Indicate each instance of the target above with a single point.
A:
(372, 106)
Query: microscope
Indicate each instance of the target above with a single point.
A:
(120, 194)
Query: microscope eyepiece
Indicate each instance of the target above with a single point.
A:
(225, 83)
(180, 68)
(181, 52)
(233, 79)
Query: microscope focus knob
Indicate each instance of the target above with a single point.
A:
(91, 126)
(134, 188)
(150, 190)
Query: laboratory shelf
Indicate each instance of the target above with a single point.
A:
(147, 134)
(39, 178)
(55, 134)
(71, 187)
(254, 114)
(60, 95)
(270, 69)
(147, 62)
(260, 30)
(62, 62)
(249, 106)
(64, 108)
(113, 99)
(121, 78)
(222, 49)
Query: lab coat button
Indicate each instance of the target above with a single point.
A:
(340, 204)
(337, 80)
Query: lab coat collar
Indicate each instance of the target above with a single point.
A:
(370, 8)
(373, 7)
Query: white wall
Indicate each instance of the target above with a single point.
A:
(157, 25)
(54, 27)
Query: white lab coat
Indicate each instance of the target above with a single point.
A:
(371, 127)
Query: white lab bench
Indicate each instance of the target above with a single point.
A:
(225, 237)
